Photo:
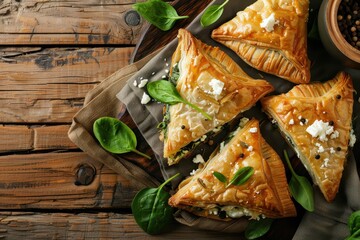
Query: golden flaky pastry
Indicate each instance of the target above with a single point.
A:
(271, 36)
(264, 193)
(316, 120)
(211, 80)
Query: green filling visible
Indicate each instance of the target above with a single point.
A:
(175, 74)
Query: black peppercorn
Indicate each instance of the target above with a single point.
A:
(317, 156)
(241, 155)
(331, 123)
(338, 149)
(338, 96)
(182, 126)
(348, 19)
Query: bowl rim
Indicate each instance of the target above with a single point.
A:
(335, 34)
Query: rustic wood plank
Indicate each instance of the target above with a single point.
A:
(68, 22)
(20, 138)
(49, 85)
(47, 181)
(90, 226)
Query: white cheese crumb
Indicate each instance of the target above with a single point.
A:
(334, 135)
(269, 23)
(145, 98)
(320, 129)
(253, 130)
(166, 70)
(243, 121)
(250, 148)
(352, 138)
(203, 138)
(135, 83)
(198, 159)
(291, 122)
(320, 148)
(163, 76)
(153, 73)
(325, 163)
(167, 64)
(332, 151)
(217, 86)
(193, 172)
(222, 145)
(143, 83)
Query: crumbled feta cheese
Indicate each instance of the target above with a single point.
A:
(135, 83)
(250, 148)
(243, 122)
(332, 151)
(320, 129)
(217, 86)
(193, 172)
(269, 23)
(352, 138)
(320, 148)
(203, 138)
(325, 163)
(166, 70)
(253, 130)
(273, 121)
(222, 145)
(291, 122)
(145, 98)
(334, 135)
(198, 159)
(153, 73)
(163, 76)
(143, 83)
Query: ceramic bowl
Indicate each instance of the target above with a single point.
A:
(332, 38)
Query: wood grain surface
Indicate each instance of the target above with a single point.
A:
(51, 54)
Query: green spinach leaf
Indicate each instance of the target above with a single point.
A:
(300, 188)
(354, 226)
(115, 136)
(161, 14)
(258, 228)
(241, 176)
(151, 210)
(165, 92)
(212, 14)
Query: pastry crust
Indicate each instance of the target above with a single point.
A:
(266, 192)
(200, 66)
(306, 108)
(275, 45)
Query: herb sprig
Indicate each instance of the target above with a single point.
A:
(239, 178)
(354, 226)
(159, 13)
(258, 228)
(115, 136)
(300, 188)
(165, 92)
(151, 210)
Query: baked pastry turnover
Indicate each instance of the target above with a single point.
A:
(211, 80)
(264, 194)
(316, 121)
(271, 36)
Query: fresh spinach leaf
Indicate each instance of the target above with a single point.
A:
(212, 14)
(165, 92)
(161, 14)
(300, 188)
(354, 225)
(241, 176)
(151, 210)
(258, 228)
(220, 177)
(115, 136)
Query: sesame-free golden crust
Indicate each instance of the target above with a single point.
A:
(198, 64)
(331, 101)
(266, 192)
(283, 51)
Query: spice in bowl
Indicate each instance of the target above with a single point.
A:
(348, 19)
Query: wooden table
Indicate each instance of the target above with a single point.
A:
(52, 53)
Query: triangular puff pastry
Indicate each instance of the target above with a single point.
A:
(264, 194)
(211, 80)
(271, 36)
(316, 121)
